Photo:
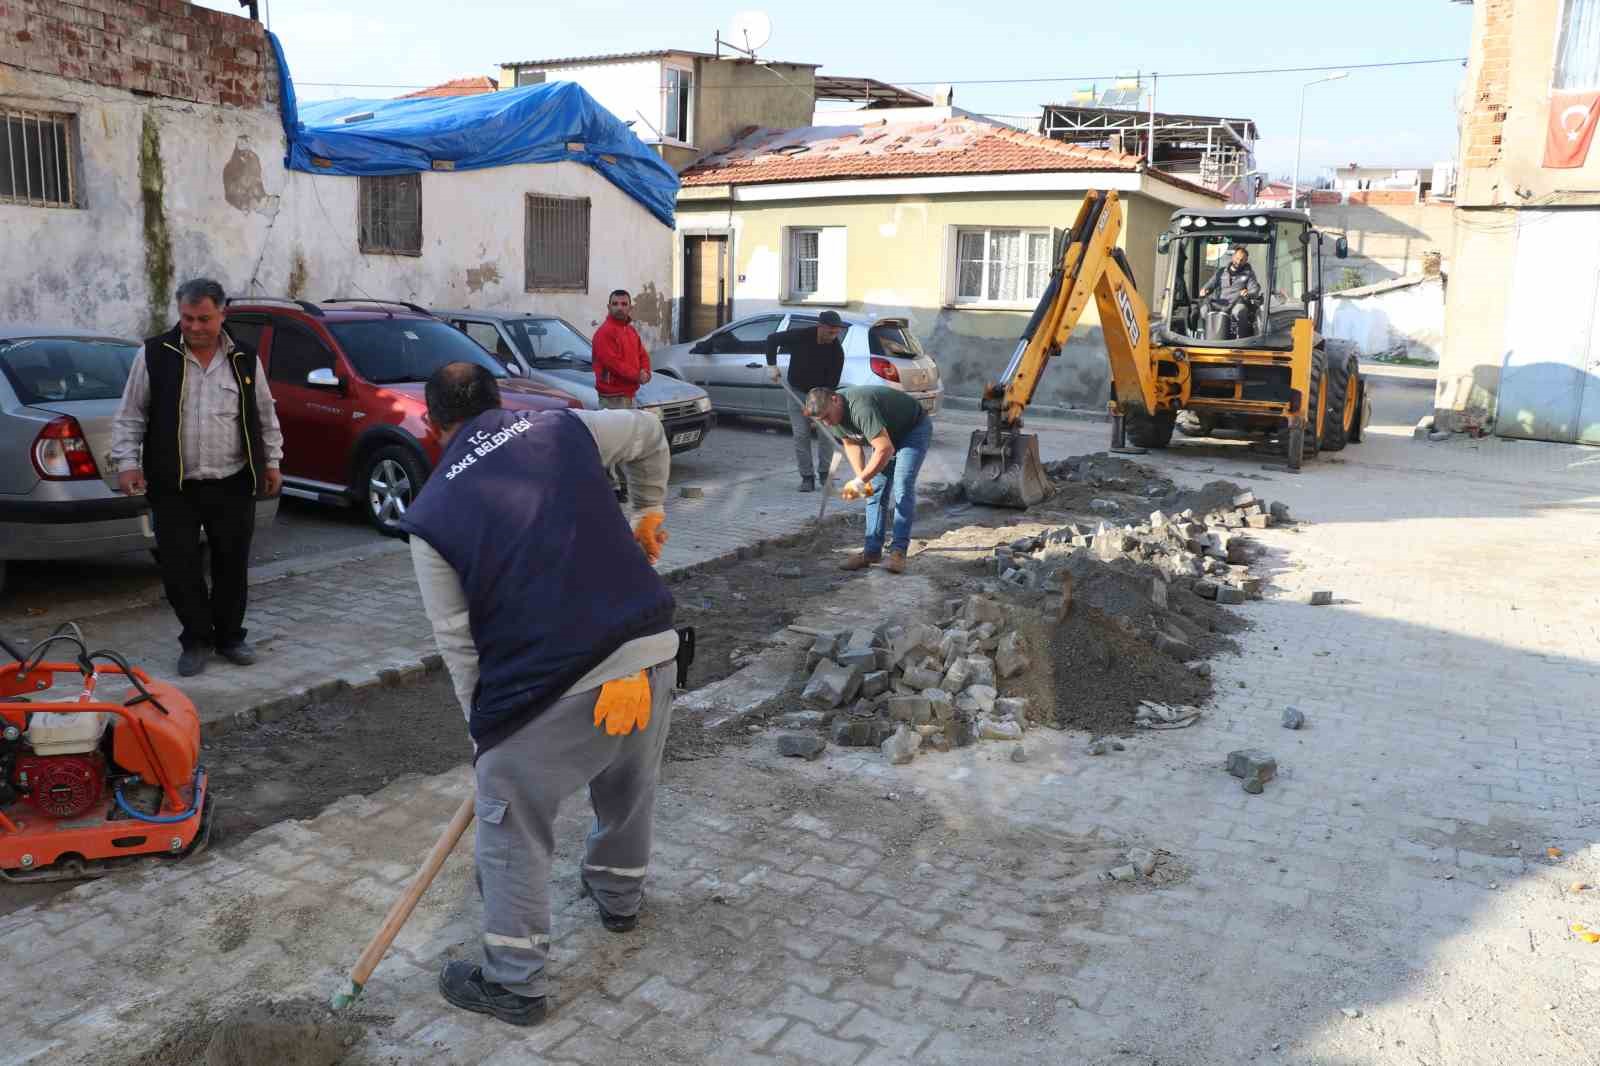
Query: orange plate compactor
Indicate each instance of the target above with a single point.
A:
(88, 785)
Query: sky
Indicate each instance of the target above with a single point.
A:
(1401, 116)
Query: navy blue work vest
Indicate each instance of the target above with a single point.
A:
(520, 507)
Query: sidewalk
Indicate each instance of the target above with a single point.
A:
(1388, 899)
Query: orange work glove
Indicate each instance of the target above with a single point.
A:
(855, 489)
(650, 536)
(623, 705)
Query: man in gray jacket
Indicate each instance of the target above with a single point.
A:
(1228, 287)
(558, 636)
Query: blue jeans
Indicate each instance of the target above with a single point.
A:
(902, 474)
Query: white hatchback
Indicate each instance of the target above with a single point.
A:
(730, 362)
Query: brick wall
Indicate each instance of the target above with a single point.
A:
(160, 47)
(1486, 108)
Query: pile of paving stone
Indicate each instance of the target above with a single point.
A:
(919, 687)
(1209, 553)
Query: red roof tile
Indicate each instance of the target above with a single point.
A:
(885, 149)
(458, 87)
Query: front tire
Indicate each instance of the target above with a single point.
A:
(1342, 422)
(391, 478)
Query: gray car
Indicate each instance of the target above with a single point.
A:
(550, 351)
(730, 362)
(59, 391)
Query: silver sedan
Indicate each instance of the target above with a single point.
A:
(550, 351)
(730, 362)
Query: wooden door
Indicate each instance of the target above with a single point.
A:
(705, 286)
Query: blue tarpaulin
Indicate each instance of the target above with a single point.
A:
(534, 124)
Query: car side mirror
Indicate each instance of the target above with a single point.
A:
(1341, 248)
(514, 369)
(324, 378)
(703, 348)
(1163, 244)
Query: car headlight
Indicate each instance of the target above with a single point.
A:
(703, 404)
(1260, 221)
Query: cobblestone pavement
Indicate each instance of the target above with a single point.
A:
(1388, 899)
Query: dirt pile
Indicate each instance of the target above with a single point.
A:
(1096, 673)
(300, 1032)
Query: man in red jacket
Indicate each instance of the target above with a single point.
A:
(621, 364)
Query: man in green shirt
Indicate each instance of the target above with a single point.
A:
(886, 435)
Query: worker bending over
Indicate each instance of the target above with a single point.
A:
(558, 635)
(897, 431)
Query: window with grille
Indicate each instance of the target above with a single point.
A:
(36, 159)
(1002, 265)
(805, 252)
(557, 244)
(679, 91)
(391, 215)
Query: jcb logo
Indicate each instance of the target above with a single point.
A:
(1128, 318)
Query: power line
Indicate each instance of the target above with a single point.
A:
(1191, 74)
(1032, 81)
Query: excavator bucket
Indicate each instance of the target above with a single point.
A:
(1004, 470)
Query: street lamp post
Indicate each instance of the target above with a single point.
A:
(1299, 137)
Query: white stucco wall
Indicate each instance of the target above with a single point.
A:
(232, 211)
(1407, 319)
(624, 89)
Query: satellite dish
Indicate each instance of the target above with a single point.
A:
(750, 30)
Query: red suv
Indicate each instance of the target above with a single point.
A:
(347, 377)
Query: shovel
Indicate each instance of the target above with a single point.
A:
(398, 914)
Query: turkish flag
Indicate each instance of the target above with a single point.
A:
(1572, 122)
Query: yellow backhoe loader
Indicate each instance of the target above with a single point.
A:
(1235, 360)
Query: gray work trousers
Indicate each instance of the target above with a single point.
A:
(803, 431)
(521, 783)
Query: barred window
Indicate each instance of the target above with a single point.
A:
(804, 253)
(391, 215)
(36, 158)
(557, 244)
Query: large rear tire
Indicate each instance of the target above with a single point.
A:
(1341, 423)
(1151, 431)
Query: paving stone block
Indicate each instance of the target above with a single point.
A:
(832, 684)
(1010, 658)
(801, 745)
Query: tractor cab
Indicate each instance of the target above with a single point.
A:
(1275, 278)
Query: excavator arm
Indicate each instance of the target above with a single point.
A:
(1003, 462)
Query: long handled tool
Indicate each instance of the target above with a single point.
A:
(833, 462)
(398, 914)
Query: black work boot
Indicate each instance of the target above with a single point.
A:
(614, 923)
(808, 484)
(193, 660)
(462, 984)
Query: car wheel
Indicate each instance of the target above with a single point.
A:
(390, 481)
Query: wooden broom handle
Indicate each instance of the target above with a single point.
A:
(395, 920)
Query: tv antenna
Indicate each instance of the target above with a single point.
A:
(750, 30)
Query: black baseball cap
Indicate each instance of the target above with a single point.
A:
(831, 318)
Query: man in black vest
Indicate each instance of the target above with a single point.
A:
(558, 636)
(198, 432)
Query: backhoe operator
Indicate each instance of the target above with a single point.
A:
(1229, 287)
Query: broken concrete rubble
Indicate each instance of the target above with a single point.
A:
(1255, 767)
(800, 745)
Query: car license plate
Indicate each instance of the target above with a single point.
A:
(687, 437)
